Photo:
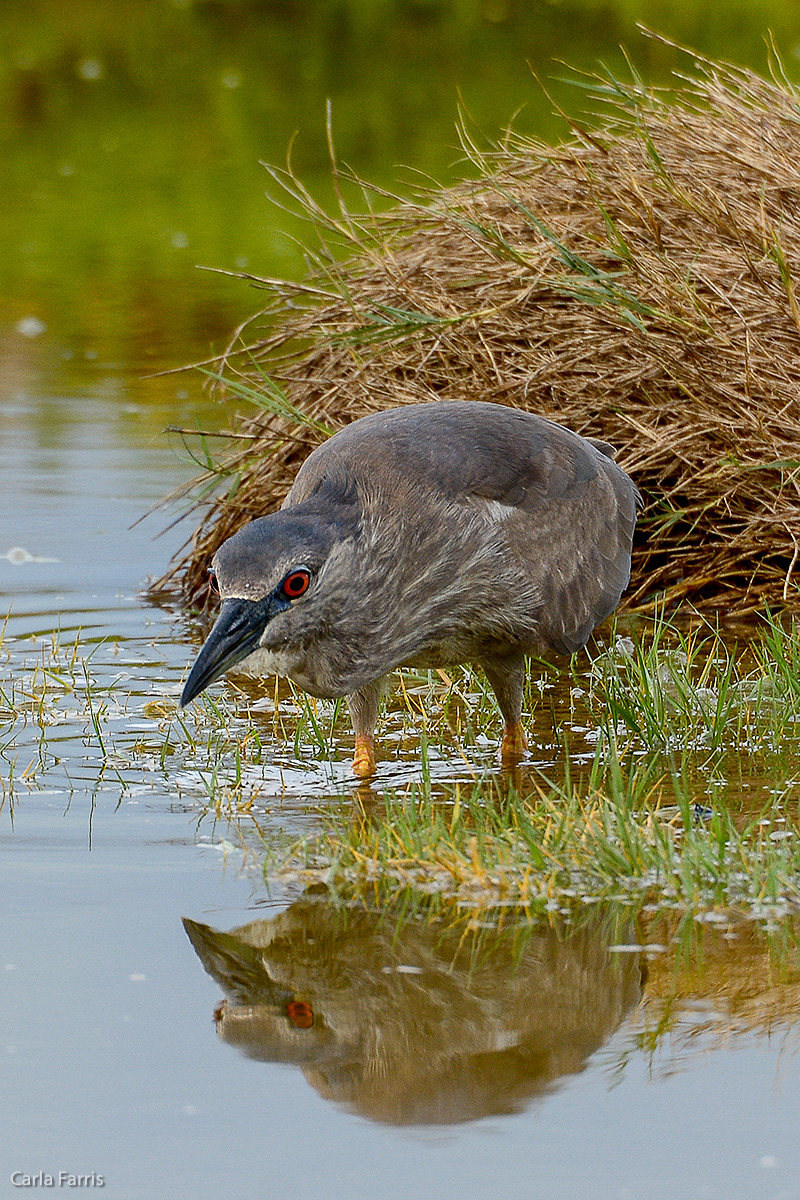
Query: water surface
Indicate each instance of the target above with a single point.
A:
(276, 1044)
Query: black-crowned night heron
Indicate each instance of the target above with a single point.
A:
(434, 534)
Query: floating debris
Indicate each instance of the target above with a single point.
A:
(18, 556)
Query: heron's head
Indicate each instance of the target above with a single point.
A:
(274, 579)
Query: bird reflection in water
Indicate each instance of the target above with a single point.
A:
(412, 1020)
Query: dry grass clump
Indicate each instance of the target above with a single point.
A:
(636, 283)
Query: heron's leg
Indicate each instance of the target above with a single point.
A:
(363, 706)
(506, 674)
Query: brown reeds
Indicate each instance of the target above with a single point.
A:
(637, 283)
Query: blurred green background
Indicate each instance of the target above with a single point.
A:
(132, 134)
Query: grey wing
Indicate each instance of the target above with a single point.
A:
(578, 548)
(567, 513)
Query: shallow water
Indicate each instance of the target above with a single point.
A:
(358, 1052)
(414, 1074)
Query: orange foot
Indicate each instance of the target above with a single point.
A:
(514, 744)
(364, 756)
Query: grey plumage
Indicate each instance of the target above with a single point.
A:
(457, 531)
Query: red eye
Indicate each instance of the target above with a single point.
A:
(300, 1014)
(295, 583)
(212, 581)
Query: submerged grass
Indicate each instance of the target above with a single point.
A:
(623, 838)
(663, 770)
(688, 798)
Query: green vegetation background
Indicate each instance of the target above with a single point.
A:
(132, 133)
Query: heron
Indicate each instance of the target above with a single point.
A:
(455, 531)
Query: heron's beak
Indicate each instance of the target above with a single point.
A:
(236, 634)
